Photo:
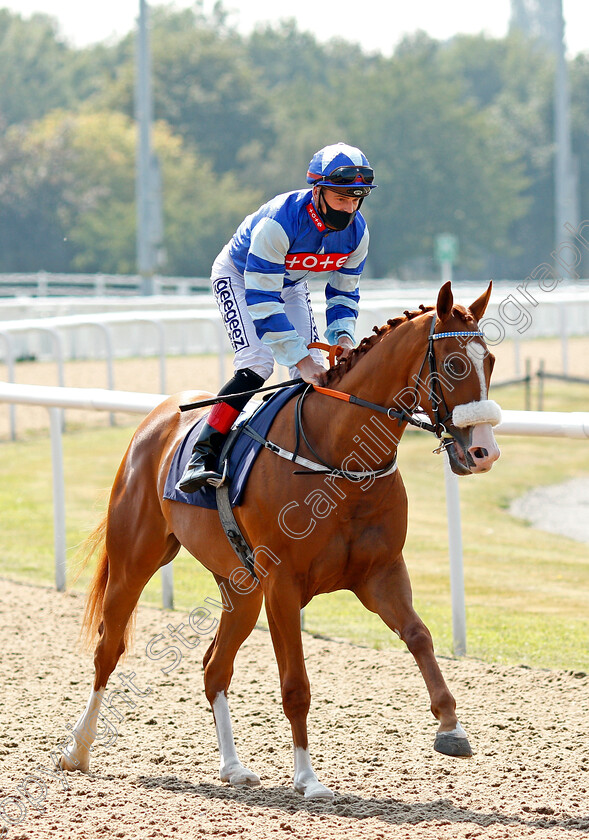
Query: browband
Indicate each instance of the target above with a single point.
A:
(471, 333)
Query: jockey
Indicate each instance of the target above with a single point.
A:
(260, 284)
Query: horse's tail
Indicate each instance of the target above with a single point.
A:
(94, 546)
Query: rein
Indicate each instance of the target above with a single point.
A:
(435, 396)
(352, 475)
(403, 415)
(436, 399)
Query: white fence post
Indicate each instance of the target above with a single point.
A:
(167, 576)
(455, 553)
(564, 338)
(55, 417)
(8, 340)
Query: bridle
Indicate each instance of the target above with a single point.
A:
(435, 393)
(409, 415)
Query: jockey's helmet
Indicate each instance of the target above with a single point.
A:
(342, 167)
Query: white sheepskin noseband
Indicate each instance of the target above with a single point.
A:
(475, 413)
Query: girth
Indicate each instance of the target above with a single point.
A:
(234, 534)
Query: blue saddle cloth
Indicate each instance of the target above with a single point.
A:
(241, 458)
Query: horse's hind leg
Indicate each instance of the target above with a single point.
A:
(123, 571)
(234, 628)
(388, 593)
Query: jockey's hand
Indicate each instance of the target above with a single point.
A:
(348, 345)
(310, 371)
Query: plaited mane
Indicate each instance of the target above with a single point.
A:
(334, 374)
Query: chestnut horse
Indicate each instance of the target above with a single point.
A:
(311, 533)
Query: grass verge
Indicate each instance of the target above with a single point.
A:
(527, 592)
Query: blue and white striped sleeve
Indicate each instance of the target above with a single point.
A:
(264, 280)
(342, 294)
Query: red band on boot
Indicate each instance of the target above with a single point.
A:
(222, 417)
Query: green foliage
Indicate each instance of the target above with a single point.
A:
(204, 87)
(460, 134)
(512, 80)
(33, 200)
(67, 197)
(436, 155)
(34, 68)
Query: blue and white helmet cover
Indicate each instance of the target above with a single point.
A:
(326, 160)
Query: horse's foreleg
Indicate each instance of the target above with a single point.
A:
(388, 593)
(283, 609)
(234, 627)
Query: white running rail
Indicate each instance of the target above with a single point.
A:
(527, 423)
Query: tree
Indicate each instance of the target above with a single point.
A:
(441, 163)
(511, 79)
(34, 74)
(460, 134)
(204, 87)
(67, 198)
(304, 81)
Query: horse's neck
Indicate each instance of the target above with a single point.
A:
(380, 376)
(383, 374)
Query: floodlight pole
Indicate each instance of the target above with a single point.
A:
(149, 227)
(565, 181)
(544, 19)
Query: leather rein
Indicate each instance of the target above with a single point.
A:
(404, 415)
(409, 415)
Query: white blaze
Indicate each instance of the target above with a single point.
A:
(476, 353)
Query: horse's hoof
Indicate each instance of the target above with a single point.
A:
(71, 764)
(241, 777)
(315, 790)
(449, 743)
(245, 780)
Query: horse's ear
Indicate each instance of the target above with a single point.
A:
(478, 307)
(445, 301)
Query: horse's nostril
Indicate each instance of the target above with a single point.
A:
(479, 452)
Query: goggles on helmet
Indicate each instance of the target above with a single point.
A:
(346, 175)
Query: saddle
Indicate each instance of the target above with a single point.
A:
(243, 445)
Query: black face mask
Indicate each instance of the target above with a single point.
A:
(335, 219)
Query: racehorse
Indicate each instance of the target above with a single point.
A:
(342, 527)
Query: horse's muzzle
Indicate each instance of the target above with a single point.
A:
(472, 450)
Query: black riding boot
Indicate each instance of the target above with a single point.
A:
(203, 466)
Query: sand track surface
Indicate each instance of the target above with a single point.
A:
(371, 736)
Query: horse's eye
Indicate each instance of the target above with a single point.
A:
(455, 366)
